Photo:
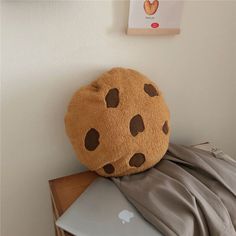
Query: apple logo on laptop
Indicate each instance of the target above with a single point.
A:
(125, 216)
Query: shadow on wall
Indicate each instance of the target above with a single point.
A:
(120, 15)
(35, 110)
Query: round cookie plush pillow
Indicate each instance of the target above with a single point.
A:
(119, 124)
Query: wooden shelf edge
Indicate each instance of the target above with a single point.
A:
(137, 31)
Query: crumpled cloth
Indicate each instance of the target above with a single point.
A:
(189, 192)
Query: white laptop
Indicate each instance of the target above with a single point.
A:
(102, 210)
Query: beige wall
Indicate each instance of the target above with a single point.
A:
(50, 49)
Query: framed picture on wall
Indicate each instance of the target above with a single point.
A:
(154, 17)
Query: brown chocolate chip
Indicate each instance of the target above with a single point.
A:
(165, 128)
(136, 125)
(91, 139)
(112, 98)
(150, 90)
(109, 168)
(137, 160)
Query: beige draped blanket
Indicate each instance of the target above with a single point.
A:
(189, 192)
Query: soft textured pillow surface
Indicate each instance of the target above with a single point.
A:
(119, 124)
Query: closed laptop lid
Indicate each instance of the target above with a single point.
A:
(102, 210)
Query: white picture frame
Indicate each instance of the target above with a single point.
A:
(154, 17)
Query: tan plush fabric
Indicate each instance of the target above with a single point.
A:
(119, 124)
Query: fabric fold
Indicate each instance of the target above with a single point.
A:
(189, 192)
